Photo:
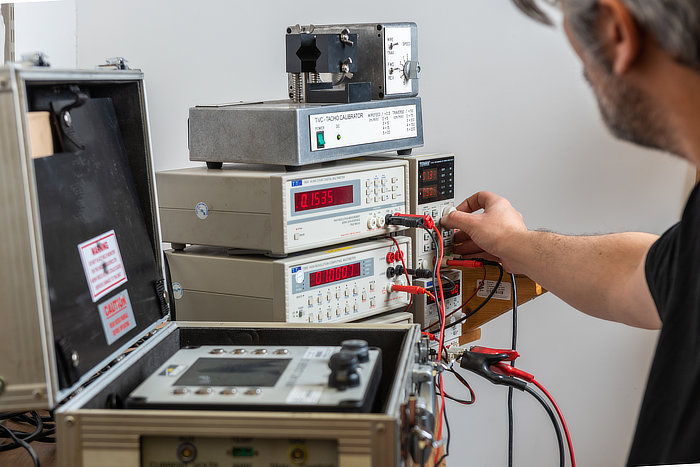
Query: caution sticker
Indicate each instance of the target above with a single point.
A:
(102, 263)
(117, 316)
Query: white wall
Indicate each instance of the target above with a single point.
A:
(47, 27)
(506, 96)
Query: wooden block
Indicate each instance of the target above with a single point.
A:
(500, 303)
(469, 336)
(40, 137)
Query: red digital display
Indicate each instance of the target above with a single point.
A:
(448, 294)
(305, 200)
(428, 192)
(326, 276)
(429, 175)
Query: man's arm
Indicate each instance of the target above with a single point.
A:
(602, 276)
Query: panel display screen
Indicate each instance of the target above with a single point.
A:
(448, 294)
(340, 273)
(234, 372)
(315, 199)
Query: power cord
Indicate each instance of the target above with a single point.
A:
(553, 419)
(514, 342)
(43, 431)
(490, 364)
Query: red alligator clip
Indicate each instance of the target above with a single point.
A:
(512, 354)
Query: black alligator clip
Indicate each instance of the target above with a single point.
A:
(480, 363)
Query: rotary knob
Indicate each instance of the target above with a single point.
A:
(358, 347)
(446, 212)
(343, 367)
(411, 69)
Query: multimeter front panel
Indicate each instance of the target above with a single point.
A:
(323, 286)
(332, 208)
(270, 210)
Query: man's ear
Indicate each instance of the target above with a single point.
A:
(620, 34)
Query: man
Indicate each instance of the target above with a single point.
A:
(642, 59)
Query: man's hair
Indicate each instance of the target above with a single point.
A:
(675, 24)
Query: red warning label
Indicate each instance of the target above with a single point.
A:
(117, 316)
(102, 263)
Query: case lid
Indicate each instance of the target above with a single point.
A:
(90, 205)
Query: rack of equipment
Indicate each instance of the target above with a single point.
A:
(74, 329)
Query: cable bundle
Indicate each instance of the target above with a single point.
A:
(44, 432)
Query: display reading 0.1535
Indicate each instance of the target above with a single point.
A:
(325, 276)
(305, 200)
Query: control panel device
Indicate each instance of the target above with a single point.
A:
(386, 56)
(270, 210)
(322, 286)
(432, 193)
(298, 134)
(310, 378)
(425, 310)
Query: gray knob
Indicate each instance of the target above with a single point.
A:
(343, 367)
(359, 347)
(411, 69)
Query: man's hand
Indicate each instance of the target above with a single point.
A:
(485, 233)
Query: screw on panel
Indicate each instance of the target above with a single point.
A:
(70, 420)
(37, 394)
(75, 358)
(67, 119)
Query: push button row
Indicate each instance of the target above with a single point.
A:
(205, 391)
(243, 351)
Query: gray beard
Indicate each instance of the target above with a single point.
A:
(630, 115)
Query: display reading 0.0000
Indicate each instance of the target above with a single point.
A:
(315, 199)
(340, 273)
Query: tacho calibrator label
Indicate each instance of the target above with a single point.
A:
(102, 263)
(117, 316)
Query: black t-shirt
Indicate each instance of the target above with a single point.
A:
(668, 429)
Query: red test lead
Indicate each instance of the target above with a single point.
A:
(507, 370)
(464, 263)
(412, 289)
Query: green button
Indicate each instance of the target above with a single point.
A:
(320, 140)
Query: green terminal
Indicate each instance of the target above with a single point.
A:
(243, 452)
